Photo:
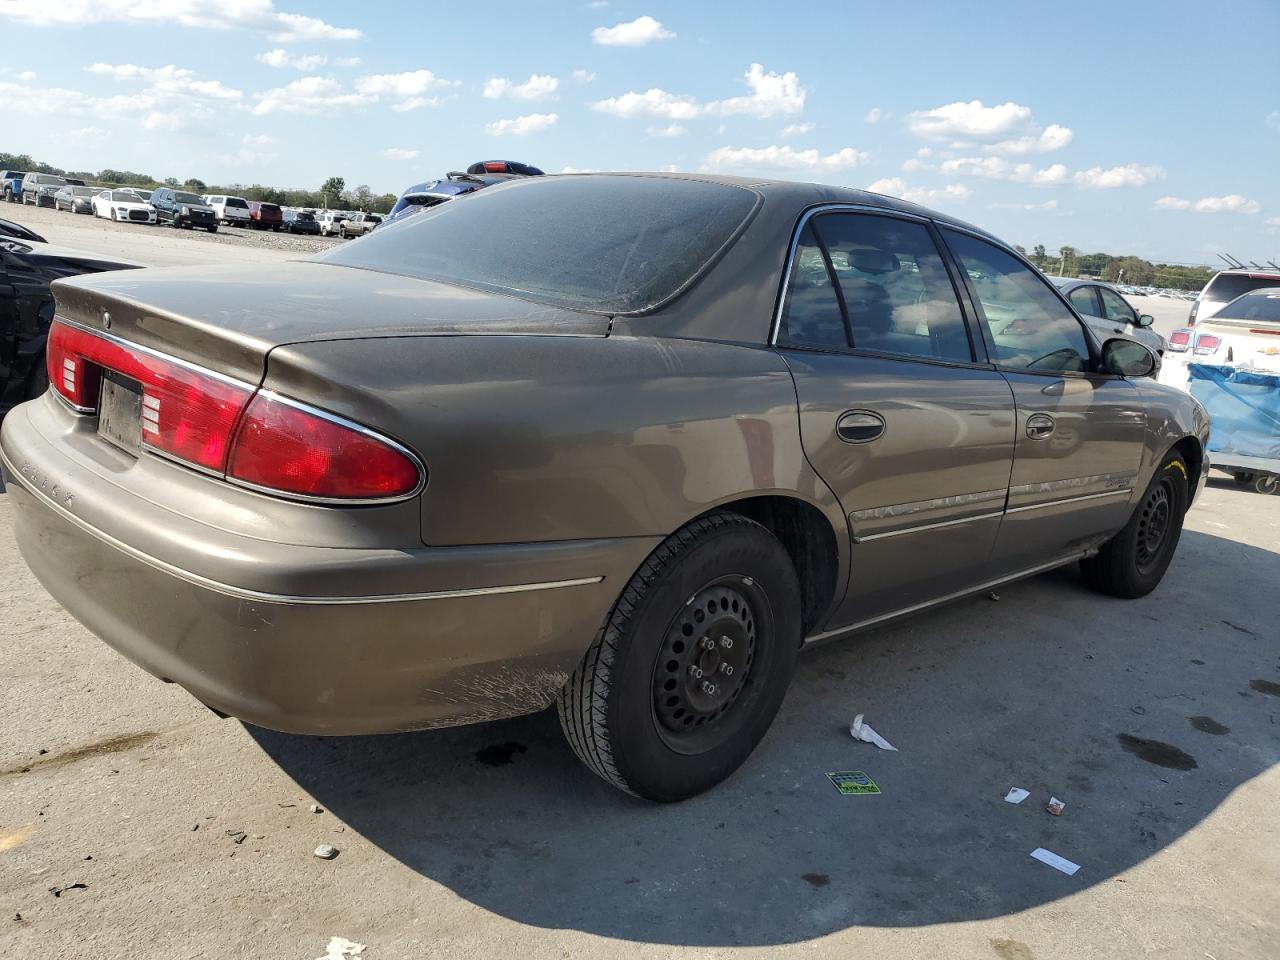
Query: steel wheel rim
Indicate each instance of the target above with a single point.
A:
(1155, 519)
(701, 682)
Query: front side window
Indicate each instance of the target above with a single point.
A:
(1115, 308)
(890, 289)
(1082, 298)
(1030, 327)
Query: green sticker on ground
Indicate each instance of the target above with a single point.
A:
(853, 782)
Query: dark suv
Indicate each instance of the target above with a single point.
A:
(182, 208)
(265, 216)
(301, 221)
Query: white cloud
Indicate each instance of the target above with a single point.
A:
(583, 76)
(259, 15)
(1173, 203)
(399, 153)
(1047, 205)
(569, 169)
(1128, 175)
(537, 87)
(771, 93)
(26, 76)
(412, 89)
(781, 158)
(597, 4)
(282, 59)
(309, 95)
(1272, 120)
(1273, 222)
(520, 126)
(797, 129)
(257, 139)
(997, 168)
(347, 62)
(1007, 128)
(167, 80)
(1231, 203)
(874, 115)
(670, 130)
(636, 33)
(652, 103)
(85, 133)
(897, 187)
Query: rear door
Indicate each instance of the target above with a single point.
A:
(1080, 433)
(899, 414)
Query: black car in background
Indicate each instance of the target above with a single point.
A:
(301, 221)
(181, 208)
(26, 308)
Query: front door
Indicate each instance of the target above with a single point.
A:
(1080, 432)
(913, 434)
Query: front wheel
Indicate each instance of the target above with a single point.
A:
(692, 663)
(1133, 562)
(213, 228)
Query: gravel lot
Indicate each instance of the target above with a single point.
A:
(193, 836)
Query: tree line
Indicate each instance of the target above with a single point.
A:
(1125, 269)
(332, 193)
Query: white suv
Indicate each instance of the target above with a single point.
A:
(233, 211)
(331, 221)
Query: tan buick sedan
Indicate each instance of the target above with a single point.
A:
(621, 443)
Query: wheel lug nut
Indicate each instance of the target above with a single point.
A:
(708, 688)
(708, 643)
(695, 672)
(726, 669)
(726, 642)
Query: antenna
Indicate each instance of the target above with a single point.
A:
(1227, 260)
(1274, 264)
(1255, 264)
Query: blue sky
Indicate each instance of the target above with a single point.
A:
(1130, 127)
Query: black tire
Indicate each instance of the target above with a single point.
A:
(213, 228)
(1133, 562)
(637, 712)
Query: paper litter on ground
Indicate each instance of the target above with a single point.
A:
(1055, 861)
(862, 731)
(340, 948)
(1016, 795)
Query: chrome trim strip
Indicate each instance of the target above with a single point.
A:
(350, 425)
(805, 217)
(919, 506)
(1057, 503)
(1050, 486)
(243, 593)
(927, 604)
(927, 526)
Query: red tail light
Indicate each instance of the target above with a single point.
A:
(1207, 343)
(1180, 340)
(282, 445)
(227, 427)
(186, 413)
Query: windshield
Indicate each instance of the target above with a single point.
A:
(1255, 308)
(125, 196)
(237, 202)
(612, 244)
(1225, 287)
(45, 178)
(187, 198)
(82, 191)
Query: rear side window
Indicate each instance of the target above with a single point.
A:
(1085, 300)
(877, 284)
(1030, 327)
(610, 244)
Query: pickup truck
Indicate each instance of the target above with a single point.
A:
(357, 225)
(11, 184)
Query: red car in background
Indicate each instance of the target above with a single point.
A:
(265, 216)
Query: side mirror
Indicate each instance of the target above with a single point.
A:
(1145, 320)
(1127, 358)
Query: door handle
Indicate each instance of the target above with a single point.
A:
(859, 426)
(1040, 426)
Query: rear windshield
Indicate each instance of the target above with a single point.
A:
(1227, 286)
(611, 244)
(268, 208)
(1257, 308)
(236, 202)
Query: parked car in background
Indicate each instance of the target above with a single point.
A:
(11, 184)
(26, 308)
(357, 225)
(18, 232)
(301, 221)
(1108, 313)
(39, 188)
(1243, 333)
(505, 166)
(429, 193)
(1225, 286)
(265, 216)
(76, 199)
(330, 221)
(675, 427)
(181, 208)
(124, 206)
(232, 211)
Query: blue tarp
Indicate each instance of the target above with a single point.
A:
(1244, 409)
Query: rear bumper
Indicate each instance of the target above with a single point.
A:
(298, 638)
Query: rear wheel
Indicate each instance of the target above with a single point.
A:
(1133, 562)
(692, 663)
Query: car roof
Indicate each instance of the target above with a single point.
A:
(1250, 272)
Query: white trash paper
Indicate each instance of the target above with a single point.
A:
(1055, 861)
(340, 948)
(1016, 795)
(862, 731)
